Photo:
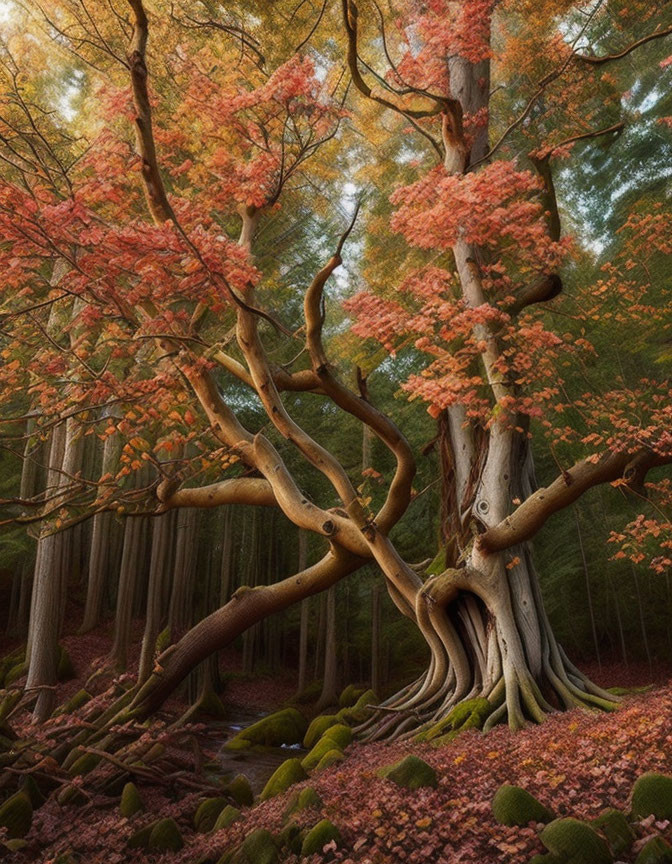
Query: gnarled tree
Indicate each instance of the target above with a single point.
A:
(145, 241)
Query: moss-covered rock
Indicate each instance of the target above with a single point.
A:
(65, 671)
(331, 757)
(240, 790)
(291, 838)
(165, 837)
(30, 787)
(575, 840)
(140, 838)
(515, 806)
(80, 698)
(259, 848)
(350, 695)
(290, 772)
(131, 802)
(312, 760)
(652, 794)
(207, 813)
(656, 851)
(301, 800)
(156, 751)
(284, 727)
(84, 764)
(358, 713)
(318, 837)
(15, 845)
(547, 858)
(411, 773)
(227, 817)
(9, 702)
(18, 670)
(340, 734)
(71, 796)
(16, 815)
(617, 830)
(318, 726)
(470, 714)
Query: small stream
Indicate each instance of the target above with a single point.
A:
(257, 766)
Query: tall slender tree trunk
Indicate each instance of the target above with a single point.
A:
(329, 695)
(51, 572)
(305, 616)
(100, 549)
(156, 591)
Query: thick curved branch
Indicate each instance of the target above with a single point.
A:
(529, 516)
(437, 104)
(236, 490)
(607, 58)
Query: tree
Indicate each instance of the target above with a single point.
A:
(161, 286)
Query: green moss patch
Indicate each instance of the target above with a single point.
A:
(359, 712)
(312, 760)
(331, 757)
(470, 714)
(411, 773)
(513, 805)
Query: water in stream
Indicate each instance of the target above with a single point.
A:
(256, 765)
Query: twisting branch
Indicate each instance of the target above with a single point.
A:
(607, 58)
(528, 517)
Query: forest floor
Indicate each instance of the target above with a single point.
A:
(577, 763)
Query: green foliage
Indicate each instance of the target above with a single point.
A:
(411, 773)
(515, 806)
